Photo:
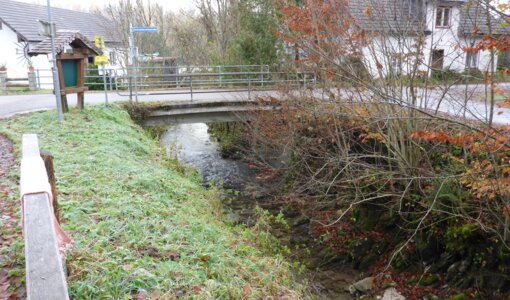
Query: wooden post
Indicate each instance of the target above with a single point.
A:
(81, 100)
(45, 276)
(48, 163)
(65, 106)
(81, 83)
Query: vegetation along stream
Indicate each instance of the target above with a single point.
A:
(196, 147)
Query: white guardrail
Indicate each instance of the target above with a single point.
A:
(45, 276)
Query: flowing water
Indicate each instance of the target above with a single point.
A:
(192, 145)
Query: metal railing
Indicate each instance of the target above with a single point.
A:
(186, 79)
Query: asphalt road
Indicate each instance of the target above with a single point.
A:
(450, 102)
(16, 104)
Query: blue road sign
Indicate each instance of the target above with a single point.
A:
(145, 29)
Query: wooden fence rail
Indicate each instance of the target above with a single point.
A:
(45, 276)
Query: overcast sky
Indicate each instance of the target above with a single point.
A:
(173, 5)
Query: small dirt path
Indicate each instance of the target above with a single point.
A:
(9, 283)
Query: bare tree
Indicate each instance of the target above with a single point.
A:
(126, 13)
(404, 121)
(220, 20)
(189, 40)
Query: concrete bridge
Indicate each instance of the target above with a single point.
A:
(202, 112)
(17, 104)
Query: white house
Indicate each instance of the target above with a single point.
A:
(19, 32)
(423, 36)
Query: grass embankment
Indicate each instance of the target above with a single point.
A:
(141, 226)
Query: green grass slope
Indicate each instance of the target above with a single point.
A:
(142, 228)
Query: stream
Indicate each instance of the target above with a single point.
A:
(192, 145)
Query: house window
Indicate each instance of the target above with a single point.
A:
(443, 16)
(437, 59)
(471, 60)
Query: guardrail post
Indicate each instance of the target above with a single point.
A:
(110, 80)
(220, 73)
(249, 87)
(38, 76)
(105, 85)
(130, 84)
(191, 86)
(262, 75)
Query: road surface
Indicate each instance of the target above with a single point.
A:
(16, 104)
(450, 102)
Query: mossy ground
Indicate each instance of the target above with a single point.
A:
(142, 225)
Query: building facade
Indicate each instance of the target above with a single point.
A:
(426, 36)
(19, 32)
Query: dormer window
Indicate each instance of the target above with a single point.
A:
(443, 16)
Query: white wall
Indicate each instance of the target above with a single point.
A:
(376, 55)
(445, 39)
(16, 67)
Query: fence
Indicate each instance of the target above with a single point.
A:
(185, 79)
(8, 84)
(45, 276)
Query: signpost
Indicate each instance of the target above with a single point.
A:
(103, 61)
(145, 29)
(56, 80)
(138, 29)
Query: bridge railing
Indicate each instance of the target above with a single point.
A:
(186, 79)
(45, 276)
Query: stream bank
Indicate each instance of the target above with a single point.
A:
(142, 226)
(246, 188)
(412, 228)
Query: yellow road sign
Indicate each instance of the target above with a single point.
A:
(102, 59)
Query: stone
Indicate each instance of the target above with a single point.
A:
(392, 294)
(464, 265)
(362, 286)
(32, 81)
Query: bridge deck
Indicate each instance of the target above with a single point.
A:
(203, 112)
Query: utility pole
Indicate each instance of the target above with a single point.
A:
(56, 82)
